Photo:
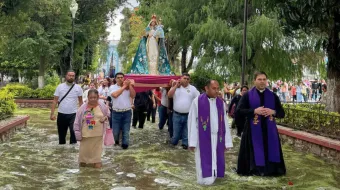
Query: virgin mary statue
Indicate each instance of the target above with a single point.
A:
(151, 56)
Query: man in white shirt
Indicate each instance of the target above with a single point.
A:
(209, 134)
(67, 107)
(183, 94)
(163, 108)
(121, 93)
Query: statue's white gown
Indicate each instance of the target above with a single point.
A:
(153, 53)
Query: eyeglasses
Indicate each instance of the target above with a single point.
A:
(119, 77)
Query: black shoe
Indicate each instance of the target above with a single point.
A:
(124, 146)
(116, 143)
(185, 147)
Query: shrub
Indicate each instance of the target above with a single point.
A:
(52, 80)
(46, 92)
(312, 118)
(7, 104)
(18, 90)
(22, 91)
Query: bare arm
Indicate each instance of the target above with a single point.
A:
(80, 100)
(175, 85)
(102, 97)
(118, 92)
(132, 92)
(54, 103)
(153, 99)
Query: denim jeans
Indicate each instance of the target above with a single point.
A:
(170, 124)
(121, 121)
(180, 127)
(284, 97)
(163, 116)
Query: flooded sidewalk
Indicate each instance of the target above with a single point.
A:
(32, 159)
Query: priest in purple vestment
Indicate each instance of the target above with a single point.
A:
(209, 134)
(260, 150)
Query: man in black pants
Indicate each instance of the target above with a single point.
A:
(66, 96)
(152, 108)
(140, 108)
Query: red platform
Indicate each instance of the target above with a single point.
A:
(149, 82)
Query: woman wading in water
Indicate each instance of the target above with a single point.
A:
(89, 127)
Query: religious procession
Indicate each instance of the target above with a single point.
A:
(174, 103)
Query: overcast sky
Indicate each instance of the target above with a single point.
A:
(115, 29)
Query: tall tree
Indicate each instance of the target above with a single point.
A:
(36, 34)
(43, 27)
(321, 17)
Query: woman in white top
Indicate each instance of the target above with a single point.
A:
(104, 91)
(85, 94)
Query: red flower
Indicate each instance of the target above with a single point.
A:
(290, 183)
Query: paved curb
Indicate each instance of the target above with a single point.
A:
(33, 100)
(13, 123)
(315, 139)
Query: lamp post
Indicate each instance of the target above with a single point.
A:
(244, 46)
(73, 9)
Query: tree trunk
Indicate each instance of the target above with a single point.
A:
(41, 82)
(191, 61)
(19, 76)
(331, 97)
(2, 79)
(184, 60)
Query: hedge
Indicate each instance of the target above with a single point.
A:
(312, 118)
(7, 104)
(23, 91)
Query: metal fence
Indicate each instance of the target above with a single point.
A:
(311, 118)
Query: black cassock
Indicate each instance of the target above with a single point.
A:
(246, 162)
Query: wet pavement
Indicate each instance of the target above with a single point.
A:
(32, 159)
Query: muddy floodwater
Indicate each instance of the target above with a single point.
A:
(32, 159)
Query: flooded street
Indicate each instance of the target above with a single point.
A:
(32, 159)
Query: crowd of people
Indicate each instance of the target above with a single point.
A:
(297, 92)
(197, 121)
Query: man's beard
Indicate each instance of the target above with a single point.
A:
(70, 80)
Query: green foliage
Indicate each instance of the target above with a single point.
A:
(18, 90)
(317, 18)
(312, 118)
(36, 35)
(52, 80)
(7, 104)
(213, 29)
(200, 77)
(133, 27)
(23, 91)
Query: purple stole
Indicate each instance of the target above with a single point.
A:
(256, 129)
(204, 132)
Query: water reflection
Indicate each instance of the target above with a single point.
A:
(34, 160)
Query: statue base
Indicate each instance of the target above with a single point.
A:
(148, 82)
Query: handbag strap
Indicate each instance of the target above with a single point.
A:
(66, 94)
